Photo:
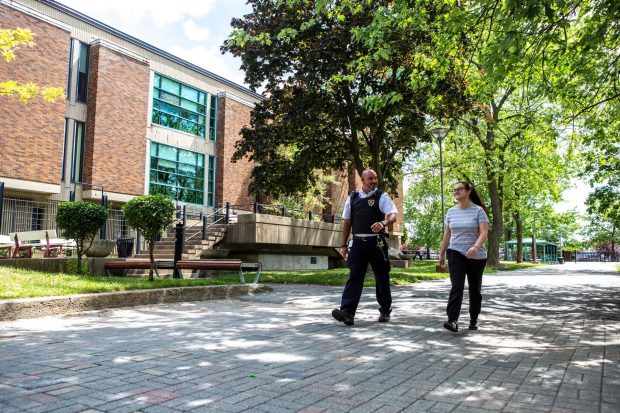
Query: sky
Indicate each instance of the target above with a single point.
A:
(194, 30)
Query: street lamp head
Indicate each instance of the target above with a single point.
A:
(440, 132)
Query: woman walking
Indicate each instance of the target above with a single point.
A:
(467, 226)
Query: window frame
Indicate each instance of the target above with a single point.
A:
(158, 102)
(178, 173)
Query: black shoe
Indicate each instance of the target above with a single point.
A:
(473, 325)
(384, 315)
(342, 315)
(452, 326)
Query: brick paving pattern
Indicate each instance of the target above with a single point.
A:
(549, 341)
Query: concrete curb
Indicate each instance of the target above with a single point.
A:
(44, 306)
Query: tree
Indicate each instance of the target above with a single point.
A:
(604, 202)
(423, 200)
(80, 221)
(10, 41)
(149, 214)
(348, 82)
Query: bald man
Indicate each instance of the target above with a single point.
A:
(367, 215)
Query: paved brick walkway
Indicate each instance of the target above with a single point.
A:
(549, 342)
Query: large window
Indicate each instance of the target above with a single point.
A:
(179, 106)
(177, 174)
(212, 119)
(211, 182)
(69, 77)
(82, 77)
(77, 164)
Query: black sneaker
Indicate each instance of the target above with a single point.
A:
(452, 326)
(342, 315)
(473, 325)
(384, 315)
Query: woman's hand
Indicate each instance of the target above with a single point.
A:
(472, 252)
(344, 250)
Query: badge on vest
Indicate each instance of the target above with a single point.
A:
(371, 202)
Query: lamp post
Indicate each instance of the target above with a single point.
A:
(439, 134)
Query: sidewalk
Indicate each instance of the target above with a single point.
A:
(549, 341)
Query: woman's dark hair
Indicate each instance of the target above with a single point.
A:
(474, 196)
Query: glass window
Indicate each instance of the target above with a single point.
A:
(174, 173)
(189, 93)
(78, 152)
(211, 184)
(178, 106)
(70, 67)
(82, 77)
(212, 117)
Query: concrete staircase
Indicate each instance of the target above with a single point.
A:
(193, 246)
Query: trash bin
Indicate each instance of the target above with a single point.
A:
(561, 260)
(124, 246)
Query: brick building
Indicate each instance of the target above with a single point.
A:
(137, 120)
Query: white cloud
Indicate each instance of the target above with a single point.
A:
(158, 12)
(211, 59)
(195, 33)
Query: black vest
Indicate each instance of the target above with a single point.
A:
(365, 212)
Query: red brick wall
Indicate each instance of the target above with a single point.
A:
(32, 135)
(233, 179)
(115, 147)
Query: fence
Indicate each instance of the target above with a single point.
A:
(20, 215)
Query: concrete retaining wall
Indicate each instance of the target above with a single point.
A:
(37, 264)
(43, 306)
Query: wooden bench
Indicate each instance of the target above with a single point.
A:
(200, 265)
(225, 265)
(132, 264)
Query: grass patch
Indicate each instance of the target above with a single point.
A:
(20, 283)
(511, 266)
(419, 271)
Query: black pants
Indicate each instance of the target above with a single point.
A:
(364, 252)
(459, 267)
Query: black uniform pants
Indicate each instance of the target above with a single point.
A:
(460, 267)
(364, 251)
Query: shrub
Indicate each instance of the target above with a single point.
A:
(149, 214)
(80, 221)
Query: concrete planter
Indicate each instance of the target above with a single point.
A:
(100, 248)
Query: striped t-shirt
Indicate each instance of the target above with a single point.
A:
(464, 229)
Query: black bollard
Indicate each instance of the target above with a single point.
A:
(178, 248)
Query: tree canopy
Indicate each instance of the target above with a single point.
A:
(344, 82)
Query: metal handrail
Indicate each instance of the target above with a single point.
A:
(205, 226)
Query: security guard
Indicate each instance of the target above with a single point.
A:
(368, 212)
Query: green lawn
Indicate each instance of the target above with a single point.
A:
(421, 270)
(20, 283)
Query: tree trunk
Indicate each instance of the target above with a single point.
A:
(496, 230)
(519, 230)
(613, 243)
(79, 246)
(151, 248)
